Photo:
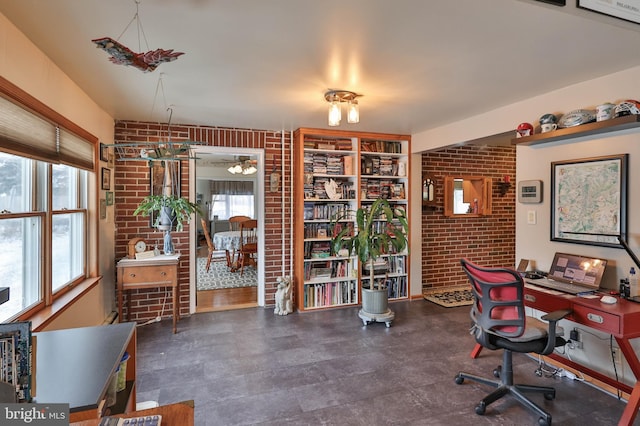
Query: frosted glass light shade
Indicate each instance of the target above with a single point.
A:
(353, 112)
(335, 114)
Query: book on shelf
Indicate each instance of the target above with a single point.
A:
(330, 294)
(17, 355)
(397, 191)
(344, 144)
(389, 147)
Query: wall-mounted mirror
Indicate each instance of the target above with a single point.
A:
(467, 196)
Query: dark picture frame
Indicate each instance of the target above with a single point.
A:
(613, 9)
(589, 200)
(106, 179)
(104, 152)
(157, 172)
(555, 2)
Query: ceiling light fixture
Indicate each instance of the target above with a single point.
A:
(335, 99)
(244, 166)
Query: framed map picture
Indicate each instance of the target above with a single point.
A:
(589, 200)
(629, 10)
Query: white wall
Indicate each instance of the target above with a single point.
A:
(24, 65)
(533, 241)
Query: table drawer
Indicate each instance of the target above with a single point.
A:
(595, 318)
(148, 275)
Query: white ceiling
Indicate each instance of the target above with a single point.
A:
(265, 64)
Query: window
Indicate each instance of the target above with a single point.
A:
(24, 219)
(46, 164)
(225, 206)
(231, 198)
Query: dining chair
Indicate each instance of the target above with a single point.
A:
(234, 225)
(213, 254)
(235, 221)
(248, 243)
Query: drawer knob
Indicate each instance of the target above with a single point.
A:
(530, 298)
(163, 273)
(132, 275)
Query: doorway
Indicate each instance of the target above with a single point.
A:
(227, 182)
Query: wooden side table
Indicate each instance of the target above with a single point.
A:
(158, 271)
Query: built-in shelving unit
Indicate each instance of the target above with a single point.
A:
(337, 172)
(585, 130)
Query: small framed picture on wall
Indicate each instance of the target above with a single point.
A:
(106, 179)
(103, 208)
(104, 152)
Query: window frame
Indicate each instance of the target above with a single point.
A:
(86, 202)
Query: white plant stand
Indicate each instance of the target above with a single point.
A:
(385, 317)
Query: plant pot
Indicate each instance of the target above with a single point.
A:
(375, 301)
(166, 219)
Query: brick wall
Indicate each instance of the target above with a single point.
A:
(488, 240)
(131, 183)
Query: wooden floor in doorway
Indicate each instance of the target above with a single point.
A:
(226, 298)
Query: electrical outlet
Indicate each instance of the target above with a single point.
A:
(575, 339)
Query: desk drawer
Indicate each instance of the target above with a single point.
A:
(148, 275)
(544, 301)
(595, 318)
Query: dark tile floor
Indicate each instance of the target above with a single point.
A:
(324, 368)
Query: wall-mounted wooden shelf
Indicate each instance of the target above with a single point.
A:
(589, 129)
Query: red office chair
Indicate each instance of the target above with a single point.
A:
(500, 322)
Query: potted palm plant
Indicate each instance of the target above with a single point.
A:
(380, 229)
(170, 210)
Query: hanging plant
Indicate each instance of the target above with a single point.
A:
(177, 209)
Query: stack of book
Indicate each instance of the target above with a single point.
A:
(320, 163)
(343, 144)
(333, 165)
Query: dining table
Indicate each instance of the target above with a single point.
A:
(229, 241)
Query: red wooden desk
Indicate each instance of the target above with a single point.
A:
(622, 320)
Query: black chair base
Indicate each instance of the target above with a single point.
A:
(505, 386)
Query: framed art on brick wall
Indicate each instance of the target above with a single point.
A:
(589, 200)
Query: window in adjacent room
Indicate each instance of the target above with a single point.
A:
(231, 198)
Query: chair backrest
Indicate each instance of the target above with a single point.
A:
(498, 306)
(235, 221)
(207, 236)
(249, 234)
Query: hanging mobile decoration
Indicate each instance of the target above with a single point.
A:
(122, 55)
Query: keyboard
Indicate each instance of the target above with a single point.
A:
(560, 286)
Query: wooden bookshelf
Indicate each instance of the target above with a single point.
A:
(359, 167)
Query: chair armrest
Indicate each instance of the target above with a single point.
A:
(553, 318)
(556, 316)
